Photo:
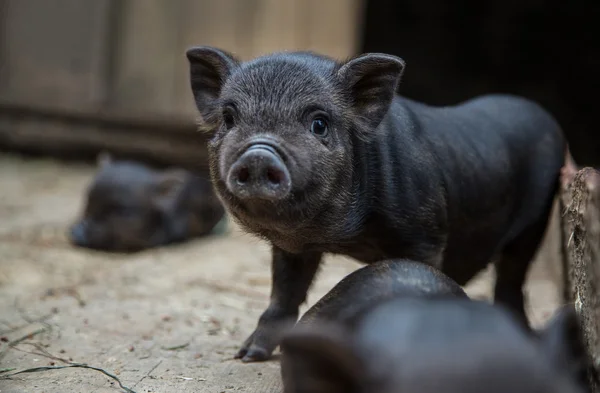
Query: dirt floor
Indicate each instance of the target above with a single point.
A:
(161, 321)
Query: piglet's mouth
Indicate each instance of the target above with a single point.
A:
(259, 173)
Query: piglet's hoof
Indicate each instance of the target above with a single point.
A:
(253, 350)
(253, 354)
(259, 346)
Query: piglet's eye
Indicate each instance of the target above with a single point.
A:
(319, 127)
(228, 119)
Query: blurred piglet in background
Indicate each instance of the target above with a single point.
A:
(131, 207)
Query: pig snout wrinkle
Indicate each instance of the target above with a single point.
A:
(259, 173)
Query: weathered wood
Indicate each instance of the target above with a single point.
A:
(276, 26)
(212, 23)
(580, 200)
(51, 51)
(164, 140)
(74, 62)
(333, 27)
(145, 56)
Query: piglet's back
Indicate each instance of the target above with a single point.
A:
(430, 345)
(377, 282)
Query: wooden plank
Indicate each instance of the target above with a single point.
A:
(82, 135)
(277, 26)
(82, 56)
(333, 27)
(49, 51)
(580, 200)
(3, 50)
(203, 23)
(145, 55)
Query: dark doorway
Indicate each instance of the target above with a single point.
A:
(548, 51)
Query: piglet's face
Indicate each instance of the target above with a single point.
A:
(282, 127)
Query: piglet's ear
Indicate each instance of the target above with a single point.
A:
(372, 80)
(319, 360)
(209, 69)
(563, 343)
(167, 186)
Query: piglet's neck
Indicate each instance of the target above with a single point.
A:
(365, 178)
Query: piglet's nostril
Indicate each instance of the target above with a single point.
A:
(243, 175)
(275, 176)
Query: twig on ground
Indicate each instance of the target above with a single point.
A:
(29, 321)
(73, 365)
(219, 286)
(23, 314)
(70, 290)
(148, 373)
(176, 347)
(19, 340)
(43, 353)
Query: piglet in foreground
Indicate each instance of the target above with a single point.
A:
(377, 282)
(131, 207)
(374, 283)
(434, 344)
(323, 156)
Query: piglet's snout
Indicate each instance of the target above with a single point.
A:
(259, 173)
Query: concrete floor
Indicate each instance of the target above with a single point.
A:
(161, 321)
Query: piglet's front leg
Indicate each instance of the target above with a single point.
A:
(292, 275)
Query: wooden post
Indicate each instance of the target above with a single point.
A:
(580, 203)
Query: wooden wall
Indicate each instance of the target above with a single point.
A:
(87, 75)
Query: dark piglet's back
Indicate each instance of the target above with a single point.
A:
(377, 282)
(434, 344)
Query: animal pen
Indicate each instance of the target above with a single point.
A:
(78, 77)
